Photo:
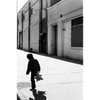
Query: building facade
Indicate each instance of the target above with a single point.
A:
(32, 27)
(65, 28)
(51, 27)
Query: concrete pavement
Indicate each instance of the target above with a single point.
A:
(61, 80)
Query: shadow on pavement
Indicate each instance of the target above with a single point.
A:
(38, 95)
(18, 98)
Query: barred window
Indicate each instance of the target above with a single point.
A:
(77, 32)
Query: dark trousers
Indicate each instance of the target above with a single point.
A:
(33, 85)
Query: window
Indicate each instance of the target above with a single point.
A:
(54, 2)
(77, 32)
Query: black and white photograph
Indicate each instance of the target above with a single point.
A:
(50, 49)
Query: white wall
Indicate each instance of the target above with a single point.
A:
(25, 31)
(34, 28)
(49, 39)
(63, 7)
(34, 38)
(69, 9)
(60, 39)
(19, 27)
(67, 38)
(75, 52)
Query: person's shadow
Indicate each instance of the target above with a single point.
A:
(38, 95)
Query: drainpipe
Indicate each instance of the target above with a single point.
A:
(29, 27)
(47, 26)
(22, 27)
(40, 24)
(30, 13)
(17, 32)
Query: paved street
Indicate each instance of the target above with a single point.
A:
(61, 80)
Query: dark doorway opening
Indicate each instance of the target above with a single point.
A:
(44, 43)
(20, 40)
(55, 27)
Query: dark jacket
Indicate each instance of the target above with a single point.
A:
(33, 67)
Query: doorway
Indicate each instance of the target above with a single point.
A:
(20, 40)
(54, 39)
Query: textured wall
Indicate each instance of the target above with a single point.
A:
(34, 28)
(63, 7)
(61, 14)
(25, 31)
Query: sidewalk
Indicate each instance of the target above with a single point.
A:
(61, 80)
